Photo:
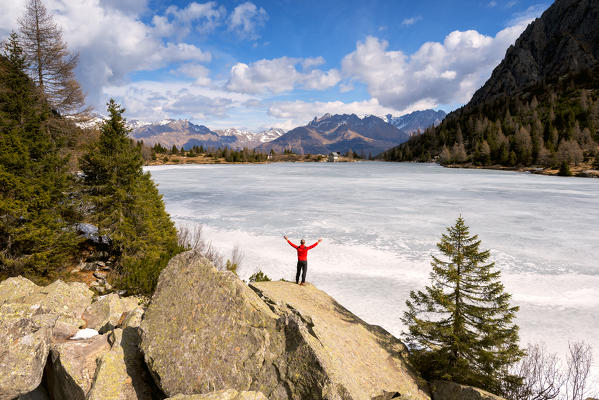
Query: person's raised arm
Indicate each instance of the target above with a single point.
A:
(314, 245)
(289, 241)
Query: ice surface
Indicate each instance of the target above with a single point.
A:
(380, 223)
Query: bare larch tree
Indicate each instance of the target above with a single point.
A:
(51, 64)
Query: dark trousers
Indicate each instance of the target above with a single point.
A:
(302, 266)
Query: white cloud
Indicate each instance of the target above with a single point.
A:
(152, 101)
(312, 62)
(111, 40)
(246, 18)
(179, 22)
(492, 3)
(200, 73)
(410, 21)
(277, 76)
(437, 73)
(301, 111)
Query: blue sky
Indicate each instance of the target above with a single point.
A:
(257, 64)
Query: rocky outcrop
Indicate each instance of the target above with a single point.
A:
(206, 335)
(106, 313)
(36, 323)
(218, 335)
(72, 367)
(24, 346)
(364, 360)
(442, 390)
(121, 373)
(564, 40)
(31, 317)
(302, 345)
(221, 395)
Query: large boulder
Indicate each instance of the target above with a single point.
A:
(363, 360)
(24, 346)
(443, 390)
(31, 318)
(72, 367)
(221, 395)
(14, 290)
(106, 313)
(121, 373)
(205, 330)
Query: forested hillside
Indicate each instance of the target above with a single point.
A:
(536, 109)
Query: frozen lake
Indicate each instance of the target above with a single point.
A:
(380, 223)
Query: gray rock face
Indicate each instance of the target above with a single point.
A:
(359, 361)
(205, 330)
(221, 395)
(443, 390)
(72, 367)
(24, 346)
(106, 313)
(30, 318)
(565, 39)
(121, 373)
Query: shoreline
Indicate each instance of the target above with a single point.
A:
(577, 171)
(580, 171)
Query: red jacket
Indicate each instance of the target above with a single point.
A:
(302, 251)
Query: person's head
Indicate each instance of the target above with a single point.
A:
(302, 241)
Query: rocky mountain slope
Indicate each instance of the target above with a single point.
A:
(183, 133)
(564, 40)
(539, 108)
(205, 335)
(417, 120)
(339, 133)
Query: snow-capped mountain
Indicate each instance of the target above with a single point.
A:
(368, 135)
(183, 133)
(417, 121)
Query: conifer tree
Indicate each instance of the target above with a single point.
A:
(36, 235)
(461, 327)
(127, 206)
(52, 66)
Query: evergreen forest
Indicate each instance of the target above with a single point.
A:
(551, 124)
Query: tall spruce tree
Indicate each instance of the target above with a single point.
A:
(461, 327)
(127, 206)
(51, 64)
(36, 235)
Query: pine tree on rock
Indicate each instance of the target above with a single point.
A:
(51, 64)
(461, 327)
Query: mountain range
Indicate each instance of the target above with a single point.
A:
(328, 133)
(339, 133)
(183, 133)
(417, 120)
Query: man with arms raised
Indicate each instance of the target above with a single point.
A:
(302, 258)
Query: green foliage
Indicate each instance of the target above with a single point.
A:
(461, 328)
(259, 277)
(564, 169)
(542, 125)
(36, 212)
(127, 206)
(231, 266)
